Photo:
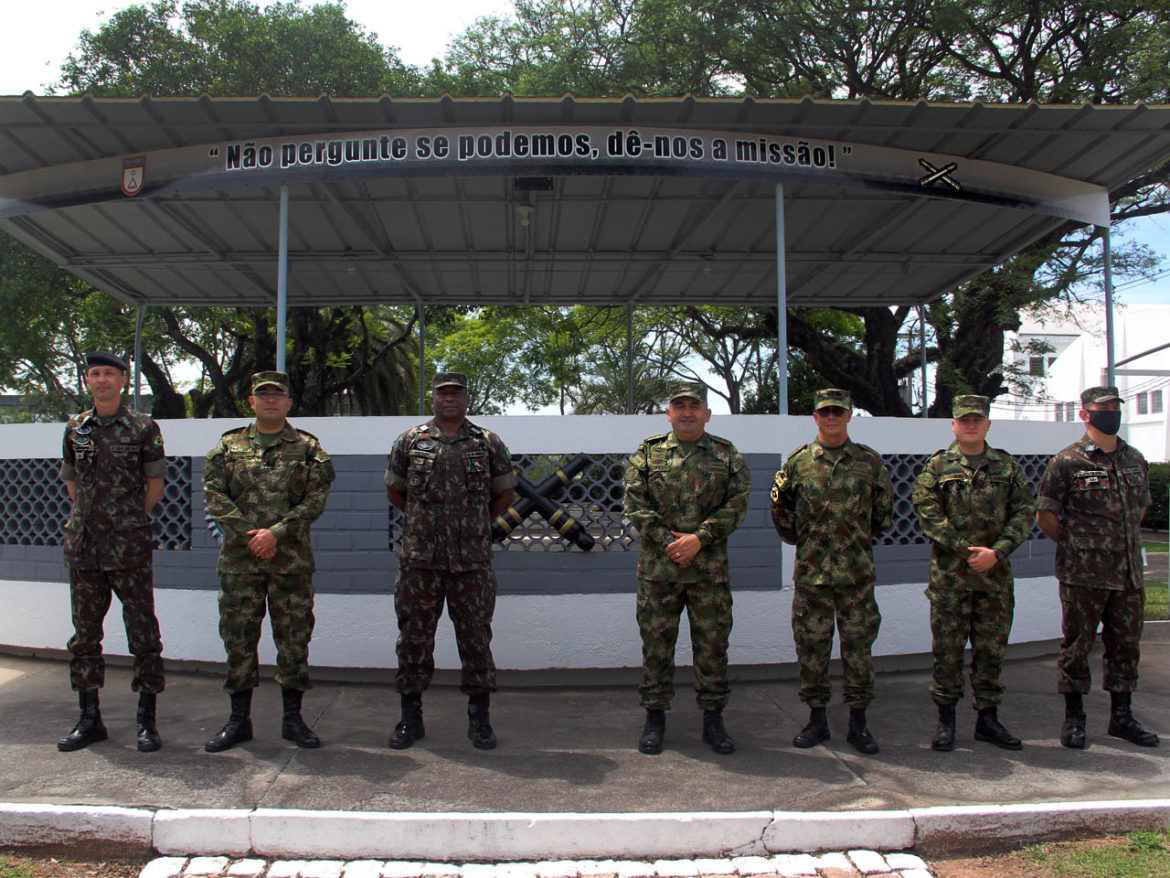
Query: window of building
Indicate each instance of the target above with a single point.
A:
(1143, 402)
(1035, 365)
(1156, 402)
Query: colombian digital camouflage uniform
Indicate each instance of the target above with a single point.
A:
(1099, 497)
(832, 503)
(281, 487)
(961, 505)
(705, 493)
(108, 545)
(446, 553)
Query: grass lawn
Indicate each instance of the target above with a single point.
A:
(1154, 545)
(1157, 600)
(1140, 854)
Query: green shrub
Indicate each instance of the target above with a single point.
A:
(1156, 515)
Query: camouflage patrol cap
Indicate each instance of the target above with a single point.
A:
(693, 389)
(1100, 394)
(832, 396)
(270, 379)
(105, 358)
(971, 404)
(449, 379)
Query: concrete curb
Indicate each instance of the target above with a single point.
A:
(272, 833)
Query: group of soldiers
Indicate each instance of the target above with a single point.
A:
(686, 491)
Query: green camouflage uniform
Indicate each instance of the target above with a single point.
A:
(961, 505)
(705, 493)
(282, 487)
(1099, 497)
(832, 504)
(108, 545)
(446, 553)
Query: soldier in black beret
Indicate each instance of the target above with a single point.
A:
(113, 467)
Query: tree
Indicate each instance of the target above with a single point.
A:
(936, 50)
(350, 360)
(233, 48)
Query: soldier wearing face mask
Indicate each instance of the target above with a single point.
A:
(1091, 503)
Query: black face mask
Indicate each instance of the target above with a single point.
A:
(1105, 421)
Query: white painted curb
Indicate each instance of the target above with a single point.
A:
(839, 830)
(273, 833)
(954, 826)
(23, 825)
(186, 832)
(497, 837)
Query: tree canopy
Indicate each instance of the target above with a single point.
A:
(359, 360)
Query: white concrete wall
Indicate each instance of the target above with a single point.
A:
(533, 631)
(530, 632)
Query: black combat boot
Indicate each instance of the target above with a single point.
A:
(479, 727)
(859, 735)
(944, 735)
(1072, 731)
(990, 730)
(238, 728)
(148, 739)
(1123, 725)
(410, 727)
(89, 728)
(653, 732)
(715, 734)
(815, 732)
(292, 726)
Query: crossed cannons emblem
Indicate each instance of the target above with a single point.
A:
(541, 499)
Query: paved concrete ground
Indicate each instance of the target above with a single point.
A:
(568, 747)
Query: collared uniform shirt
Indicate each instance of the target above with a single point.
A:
(832, 504)
(449, 482)
(281, 486)
(109, 463)
(959, 506)
(1099, 498)
(704, 492)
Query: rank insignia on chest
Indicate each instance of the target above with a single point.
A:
(1093, 477)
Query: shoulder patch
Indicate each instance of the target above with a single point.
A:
(234, 430)
(307, 435)
(657, 438)
(797, 451)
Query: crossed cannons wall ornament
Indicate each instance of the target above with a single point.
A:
(541, 499)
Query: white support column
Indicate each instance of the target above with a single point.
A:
(282, 284)
(781, 307)
(421, 310)
(629, 359)
(138, 324)
(1110, 366)
(922, 347)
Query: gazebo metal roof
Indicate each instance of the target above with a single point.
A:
(936, 194)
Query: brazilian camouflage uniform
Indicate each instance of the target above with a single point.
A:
(831, 503)
(283, 486)
(446, 552)
(705, 493)
(108, 545)
(1100, 498)
(960, 505)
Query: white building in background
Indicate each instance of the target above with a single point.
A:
(1076, 359)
